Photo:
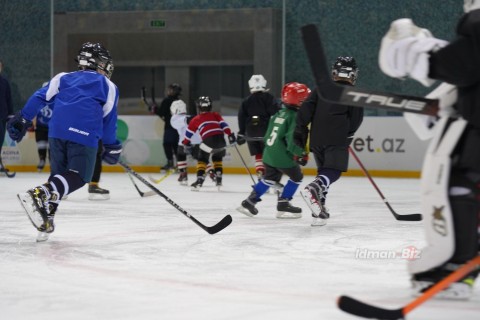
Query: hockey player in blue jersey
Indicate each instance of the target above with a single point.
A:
(85, 104)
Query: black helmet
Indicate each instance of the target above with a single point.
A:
(345, 70)
(95, 56)
(204, 104)
(175, 89)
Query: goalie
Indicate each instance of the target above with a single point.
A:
(451, 172)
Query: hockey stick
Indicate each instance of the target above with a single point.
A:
(208, 149)
(245, 164)
(166, 175)
(8, 173)
(329, 91)
(142, 194)
(222, 224)
(361, 309)
(400, 217)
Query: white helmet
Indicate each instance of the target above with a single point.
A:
(470, 5)
(257, 83)
(178, 107)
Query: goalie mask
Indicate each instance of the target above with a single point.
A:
(204, 104)
(95, 56)
(294, 93)
(345, 70)
(257, 83)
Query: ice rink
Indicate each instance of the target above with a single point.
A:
(140, 258)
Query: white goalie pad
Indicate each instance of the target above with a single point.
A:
(423, 125)
(436, 209)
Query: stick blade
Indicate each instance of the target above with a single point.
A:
(222, 224)
(361, 309)
(409, 217)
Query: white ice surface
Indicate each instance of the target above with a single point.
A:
(140, 258)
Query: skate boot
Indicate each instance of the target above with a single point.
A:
(41, 165)
(286, 211)
(197, 184)
(168, 166)
(314, 196)
(47, 228)
(211, 173)
(248, 205)
(35, 202)
(460, 290)
(183, 178)
(97, 193)
(218, 179)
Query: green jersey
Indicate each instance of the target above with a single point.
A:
(279, 146)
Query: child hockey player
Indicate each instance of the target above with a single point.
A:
(85, 104)
(281, 156)
(211, 127)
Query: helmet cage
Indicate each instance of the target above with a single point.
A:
(94, 56)
(345, 70)
(204, 104)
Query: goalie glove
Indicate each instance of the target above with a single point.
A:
(405, 51)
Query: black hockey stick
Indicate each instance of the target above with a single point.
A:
(8, 173)
(329, 91)
(141, 193)
(245, 164)
(211, 230)
(400, 217)
(361, 309)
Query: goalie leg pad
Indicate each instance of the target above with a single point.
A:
(436, 208)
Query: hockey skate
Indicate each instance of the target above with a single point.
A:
(35, 203)
(6, 172)
(313, 198)
(218, 179)
(212, 175)
(41, 165)
(248, 205)
(183, 178)
(197, 184)
(460, 290)
(286, 211)
(97, 193)
(168, 166)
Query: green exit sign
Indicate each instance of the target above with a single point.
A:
(158, 23)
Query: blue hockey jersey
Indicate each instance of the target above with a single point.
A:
(85, 107)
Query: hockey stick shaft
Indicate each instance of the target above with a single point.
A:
(331, 92)
(140, 192)
(211, 230)
(401, 217)
(361, 309)
(244, 164)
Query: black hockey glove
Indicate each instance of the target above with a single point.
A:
(17, 126)
(111, 152)
(231, 139)
(301, 160)
(241, 139)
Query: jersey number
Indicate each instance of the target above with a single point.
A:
(273, 136)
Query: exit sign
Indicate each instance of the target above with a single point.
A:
(158, 23)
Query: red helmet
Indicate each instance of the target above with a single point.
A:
(294, 93)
